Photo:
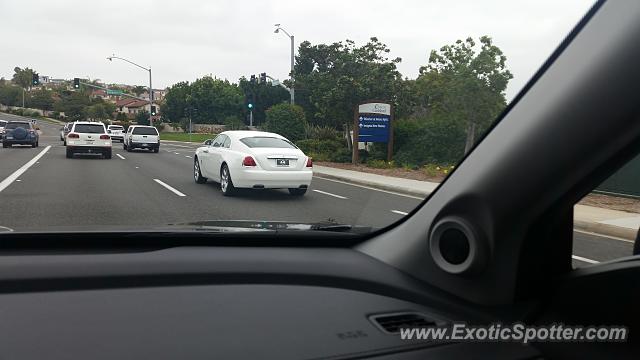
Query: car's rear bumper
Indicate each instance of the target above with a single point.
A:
(117, 137)
(135, 145)
(27, 141)
(88, 149)
(261, 179)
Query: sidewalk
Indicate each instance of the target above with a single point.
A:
(586, 218)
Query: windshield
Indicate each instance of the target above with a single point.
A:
(330, 115)
(2, 123)
(89, 129)
(15, 125)
(267, 142)
(145, 131)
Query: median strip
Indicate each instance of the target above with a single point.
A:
(168, 187)
(330, 194)
(16, 174)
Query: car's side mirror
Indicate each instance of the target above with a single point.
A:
(208, 142)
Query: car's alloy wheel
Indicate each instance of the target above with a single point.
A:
(197, 175)
(226, 184)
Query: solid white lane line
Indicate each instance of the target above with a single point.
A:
(399, 212)
(330, 194)
(120, 156)
(603, 236)
(173, 190)
(187, 156)
(369, 188)
(583, 259)
(13, 177)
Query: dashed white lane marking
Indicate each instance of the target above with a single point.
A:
(16, 174)
(330, 194)
(137, 167)
(399, 212)
(18, 180)
(187, 156)
(603, 236)
(369, 188)
(182, 146)
(583, 259)
(176, 153)
(120, 156)
(168, 187)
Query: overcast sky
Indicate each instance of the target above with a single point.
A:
(184, 40)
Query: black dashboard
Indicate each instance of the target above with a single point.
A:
(219, 302)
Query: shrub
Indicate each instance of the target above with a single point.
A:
(233, 123)
(286, 120)
(325, 150)
(321, 132)
(381, 164)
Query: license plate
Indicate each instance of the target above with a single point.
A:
(9, 137)
(145, 145)
(282, 162)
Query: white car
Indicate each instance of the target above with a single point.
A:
(141, 137)
(88, 138)
(116, 132)
(253, 159)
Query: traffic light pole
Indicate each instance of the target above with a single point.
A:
(110, 58)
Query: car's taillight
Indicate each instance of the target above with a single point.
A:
(309, 162)
(105, 137)
(73, 136)
(248, 161)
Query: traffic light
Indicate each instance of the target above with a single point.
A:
(253, 79)
(250, 106)
(35, 79)
(153, 110)
(263, 78)
(76, 83)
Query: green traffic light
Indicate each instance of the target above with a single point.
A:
(250, 106)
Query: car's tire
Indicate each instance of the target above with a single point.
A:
(129, 149)
(297, 191)
(156, 150)
(5, 145)
(226, 184)
(197, 174)
(107, 154)
(64, 143)
(35, 144)
(69, 154)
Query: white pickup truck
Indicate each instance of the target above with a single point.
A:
(141, 137)
(116, 132)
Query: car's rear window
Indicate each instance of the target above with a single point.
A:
(15, 125)
(115, 128)
(89, 129)
(267, 142)
(145, 131)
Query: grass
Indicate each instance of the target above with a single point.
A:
(185, 137)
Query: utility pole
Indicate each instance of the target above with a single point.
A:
(292, 38)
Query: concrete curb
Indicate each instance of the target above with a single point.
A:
(588, 226)
(373, 184)
(605, 229)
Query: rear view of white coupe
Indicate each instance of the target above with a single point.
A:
(254, 160)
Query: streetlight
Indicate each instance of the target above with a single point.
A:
(291, 90)
(110, 58)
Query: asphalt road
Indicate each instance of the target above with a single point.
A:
(146, 190)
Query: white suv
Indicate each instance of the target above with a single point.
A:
(141, 137)
(116, 132)
(88, 138)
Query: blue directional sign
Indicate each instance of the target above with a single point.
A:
(373, 128)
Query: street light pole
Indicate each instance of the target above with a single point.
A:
(292, 38)
(110, 58)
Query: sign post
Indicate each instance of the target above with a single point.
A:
(372, 122)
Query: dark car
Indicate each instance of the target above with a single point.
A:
(20, 133)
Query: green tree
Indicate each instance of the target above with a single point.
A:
(287, 120)
(234, 123)
(175, 104)
(262, 96)
(466, 83)
(142, 117)
(41, 99)
(213, 100)
(22, 77)
(121, 117)
(10, 95)
(331, 79)
(139, 89)
(98, 112)
(74, 105)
